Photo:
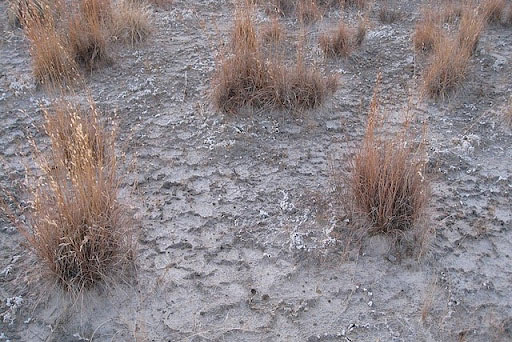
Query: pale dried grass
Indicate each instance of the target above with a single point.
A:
(131, 22)
(343, 40)
(78, 228)
(387, 184)
(245, 77)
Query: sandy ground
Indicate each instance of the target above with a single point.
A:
(234, 241)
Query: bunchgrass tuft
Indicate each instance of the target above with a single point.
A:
(388, 185)
(52, 58)
(451, 52)
(246, 77)
(131, 22)
(78, 228)
(470, 28)
(494, 10)
(428, 31)
(447, 69)
(343, 40)
(88, 33)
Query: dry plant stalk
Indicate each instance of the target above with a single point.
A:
(387, 183)
(247, 78)
(77, 227)
(343, 40)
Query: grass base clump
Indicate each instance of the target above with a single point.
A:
(493, 10)
(88, 34)
(470, 27)
(78, 228)
(131, 22)
(447, 69)
(52, 57)
(247, 78)
(388, 15)
(342, 40)
(387, 182)
(450, 51)
(428, 31)
(18, 11)
(66, 35)
(308, 11)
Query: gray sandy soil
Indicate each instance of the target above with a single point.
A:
(236, 236)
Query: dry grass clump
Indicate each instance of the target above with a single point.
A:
(450, 11)
(280, 7)
(52, 57)
(470, 27)
(387, 183)
(88, 32)
(428, 31)
(342, 40)
(448, 68)
(64, 35)
(77, 227)
(131, 22)
(387, 15)
(494, 10)
(247, 78)
(308, 11)
(273, 31)
(451, 52)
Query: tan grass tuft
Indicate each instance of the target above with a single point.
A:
(131, 22)
(78, 228)
(342, 40)
(387, 181)
(494, 10)
(19, 11)
(428, 31)
(308, 11)
(387, 14)
(273, 31)
(282, 7)
(470, 27)
(450, 11)
(355, 3)
(448, 68)
(88, 33)
(247, 78)
(52, 58)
